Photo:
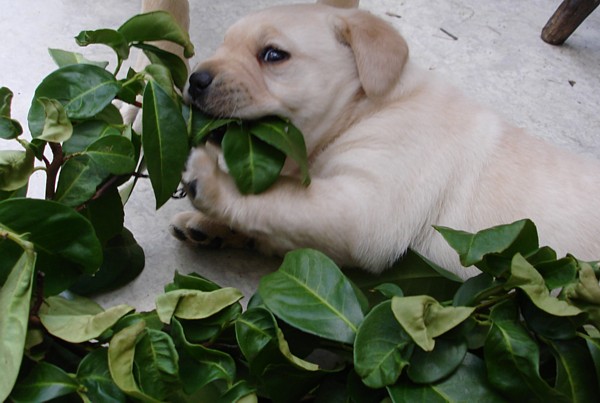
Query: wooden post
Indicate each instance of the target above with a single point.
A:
(569, 15)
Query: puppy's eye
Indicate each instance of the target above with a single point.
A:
(273, 55)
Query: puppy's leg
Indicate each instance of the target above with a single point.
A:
(195, 227)
(331, 215)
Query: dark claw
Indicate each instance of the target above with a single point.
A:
(197, 235)
(178, 233)
(190, 189)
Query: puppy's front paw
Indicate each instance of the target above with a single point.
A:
(209, 188)
(196, 228)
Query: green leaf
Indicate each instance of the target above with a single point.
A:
(78, 319)
(200, 365)
(468, 383)
(113, 153)
(593, 345)
(424, 318)
(123, 261)
(477, 289)
(64, 58)
(512, 358)
(45, 382)
(525, 277)
(84, 91)
(382, 348)
(194, 304)
(6, 96)
(106, 215)
(309, 279)
(93, 374)
(191, 281)
(9, 128)
(253, 164)
(283, 376)
(585, 294)
(15, 169)
(164, 140)
(79, 178)
(15, 295)
(433, 366)
(86, 133)
(286, 138)
(5, 195)
(241, 392)
(389, 290)
(573, 375)
(558, 273)
(64, 240)
(109, 37)
(415, 275)
(155, 26)
(547, 325)
(176, 66)
(57, 126)
(121, 355)
(504, 240)
(157, 361)
(201, 125)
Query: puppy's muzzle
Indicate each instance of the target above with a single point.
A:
(199, 82)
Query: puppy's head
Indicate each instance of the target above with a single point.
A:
(303, 62)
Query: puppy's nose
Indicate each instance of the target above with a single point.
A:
(199, 81)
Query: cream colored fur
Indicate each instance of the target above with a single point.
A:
(394, 149)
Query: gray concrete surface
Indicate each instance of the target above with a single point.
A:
(491, 49)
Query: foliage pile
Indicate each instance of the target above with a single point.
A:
(525, 328)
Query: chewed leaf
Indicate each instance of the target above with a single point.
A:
(15, 169)
(108, 37)
(424, 318)
(57, 126)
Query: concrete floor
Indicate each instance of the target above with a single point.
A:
(493, 52)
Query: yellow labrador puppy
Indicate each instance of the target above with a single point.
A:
(393, 149)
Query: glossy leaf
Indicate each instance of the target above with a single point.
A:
(164, 141)
(86, 133)
(586, 294)
(176, 66)
(524, 276)
(194, 304)
(15, 169)
(433, 366)
(123, 260)
(93, 374)
(84, 91)
(155, 26)
(415, 275)
(512, 357)
(121, 355)
(468, 383)
(423, 318)
(79, 178)
(547, 325)
(253, 164)
(109, 37)
(9, 128)
(558, 273)
(45, 382)
(309, 279)
(518, 237)
(106, 215)
(54, 229)
(6, 96)
(57, 126)
(201, 125)
(382, 348)
(593, 345)
(15, 295)
(78, 319)
(200, 365)
(157, 362)
(477, 289)
(573, 376)
(64, 58)
(114, 154)
(241, 392)
(286, 138)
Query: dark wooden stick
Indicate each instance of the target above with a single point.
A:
(565, 20)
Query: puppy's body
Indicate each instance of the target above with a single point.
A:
(393, 149)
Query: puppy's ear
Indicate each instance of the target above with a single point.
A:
(379, 50)
(340, 3)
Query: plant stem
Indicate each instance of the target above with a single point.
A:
(52, 170)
